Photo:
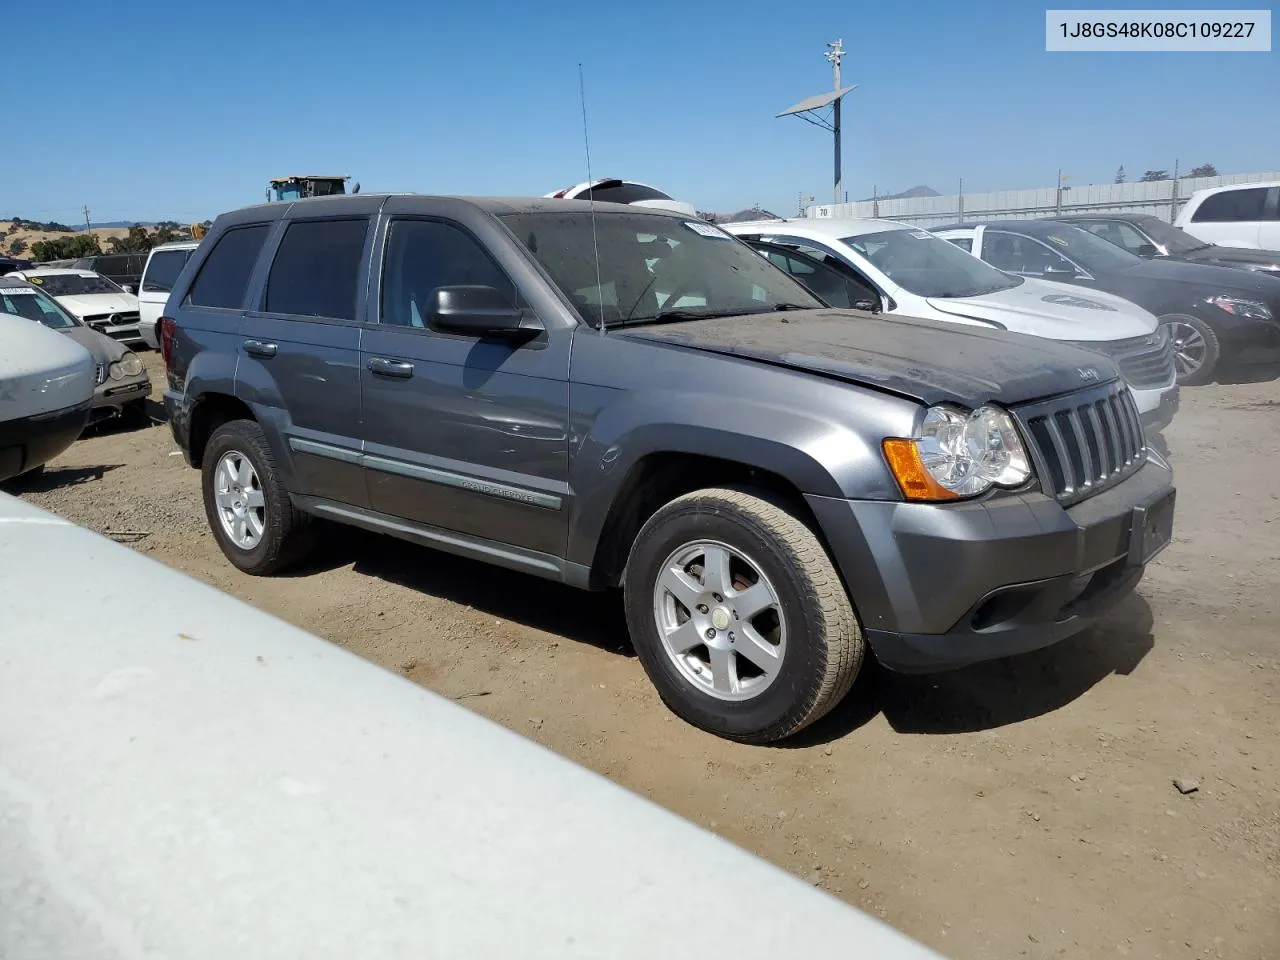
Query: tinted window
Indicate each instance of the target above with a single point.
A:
(224, 276)
(622, 193)
(834, 285)
(316, 269)
(163, 270)
(423, 255)
(964, 243)
(1231, 205)
(1123, 235)
(1018, 254)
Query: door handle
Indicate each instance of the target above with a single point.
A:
(257, 348)
(385, 367)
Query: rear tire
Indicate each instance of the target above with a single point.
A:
(727, 553)
(247, 505)
(1196, 350)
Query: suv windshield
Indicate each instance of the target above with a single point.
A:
(639, 267)
(929, 266)
(1173, 239)
(1092, 253)
(73, 284)
(34, 305)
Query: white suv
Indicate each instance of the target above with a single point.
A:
(163, 266)
(902, 270)
(1244, 215)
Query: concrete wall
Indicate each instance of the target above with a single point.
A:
(1161, 198)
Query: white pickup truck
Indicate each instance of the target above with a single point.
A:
(46, 387)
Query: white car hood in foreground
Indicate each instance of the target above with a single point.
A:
(41, 371)
(91, 304)
(191, 778)
(1056, 311)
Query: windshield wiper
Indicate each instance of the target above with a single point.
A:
(676, 315)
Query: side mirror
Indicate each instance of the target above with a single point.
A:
(127, 287)
(1148, 250)
(479, 311)
(871, 306)
(1062, 272)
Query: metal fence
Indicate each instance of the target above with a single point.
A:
(1160, 197)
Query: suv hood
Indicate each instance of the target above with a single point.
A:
(1056, 311)
(932, 362)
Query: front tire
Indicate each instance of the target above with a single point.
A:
(247, 505)
(738, 616)
(1196, 350)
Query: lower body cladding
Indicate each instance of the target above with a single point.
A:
(32, 442)
(939, 586)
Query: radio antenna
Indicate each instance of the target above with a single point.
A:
(591, 195)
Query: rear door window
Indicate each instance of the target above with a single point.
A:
(224, 276)
(163, 270)
(1232, 206)
(317, 269)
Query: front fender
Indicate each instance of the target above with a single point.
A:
(814, 451)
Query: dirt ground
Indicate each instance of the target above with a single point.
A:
(1023, 808)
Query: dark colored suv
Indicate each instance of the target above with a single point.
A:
(608, 396)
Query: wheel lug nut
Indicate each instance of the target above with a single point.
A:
(711, 634)
(717, 597)
(731, 638)
(702, 608)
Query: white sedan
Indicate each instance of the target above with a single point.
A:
(90, 298)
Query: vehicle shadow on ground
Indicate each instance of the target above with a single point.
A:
(1247, 373)
(994, 694)
(576, 615)
(47, 480)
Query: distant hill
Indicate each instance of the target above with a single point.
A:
(920, 191)
(751, 213)
(114, 224)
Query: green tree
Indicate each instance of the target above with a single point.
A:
(17, 246)
(66, 248)
(138, 240)
(1153, 175)
(1120, 177)
(1204, 170)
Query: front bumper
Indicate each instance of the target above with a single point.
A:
(33, 441)
(1250, 342)
(1155, 420)
(110, 396)
(939, 586)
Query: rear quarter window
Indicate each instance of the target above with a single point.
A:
(163, 269)
(1232, 206)
(223, 279)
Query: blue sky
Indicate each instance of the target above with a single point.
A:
(482, 97)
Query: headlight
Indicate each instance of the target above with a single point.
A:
(959, 454)
(1238, 307)
(1162, 334)
(130, 364)
(114, 371)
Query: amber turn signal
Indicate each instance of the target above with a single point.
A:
(916, 483)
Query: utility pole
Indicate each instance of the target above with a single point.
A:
(835, 51)
(87, 228)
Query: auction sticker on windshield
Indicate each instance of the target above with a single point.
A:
(921, 234)
(707, 230)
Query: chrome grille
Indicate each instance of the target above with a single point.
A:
(1146, 362)
(1085, 442)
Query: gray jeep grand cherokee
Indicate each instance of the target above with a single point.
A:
(608, 396)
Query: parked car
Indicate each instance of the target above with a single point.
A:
(1214, 314)
(163, 265)
(610, 396)
(9, 264)
(121, 384)
(46, 385)
(1149, 237)
(195, 779)
(904, 271)
(1244, 215)
(624, 191)
(122, 269)
(94, 299)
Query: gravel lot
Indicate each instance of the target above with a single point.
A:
(1024, 808)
